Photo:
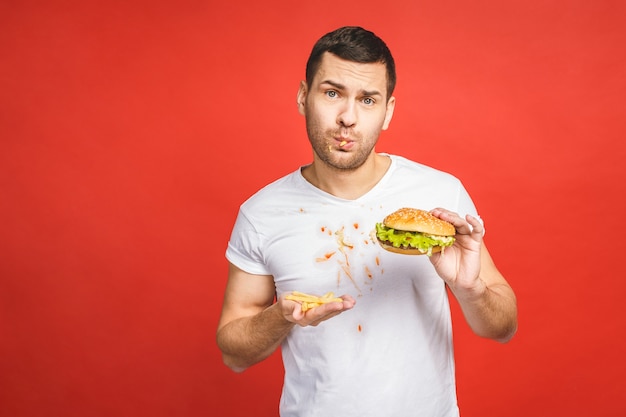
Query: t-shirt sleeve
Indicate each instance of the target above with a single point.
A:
(244, 247)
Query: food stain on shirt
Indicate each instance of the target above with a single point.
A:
(342, 241)
(326, 257)
(359, 328)
(368, 273)
(345, 246)
(326, 230)
(350, 242)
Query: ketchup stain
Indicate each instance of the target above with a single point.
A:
(326, 257)
(369, 273)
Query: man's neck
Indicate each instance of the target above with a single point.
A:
(347, 184)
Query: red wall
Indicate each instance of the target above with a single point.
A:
(130, 132)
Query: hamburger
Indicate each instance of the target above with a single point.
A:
(412, 231)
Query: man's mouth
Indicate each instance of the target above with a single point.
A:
(344, 144)
(343, 141)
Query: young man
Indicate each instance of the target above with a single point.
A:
(386, 348)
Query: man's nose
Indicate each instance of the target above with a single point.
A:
(347, 116)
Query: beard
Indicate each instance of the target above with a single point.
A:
(325, 147)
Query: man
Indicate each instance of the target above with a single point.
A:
(386, 348)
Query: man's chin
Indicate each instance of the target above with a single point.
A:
(343, 161)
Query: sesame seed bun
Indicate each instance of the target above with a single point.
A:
(416, 220)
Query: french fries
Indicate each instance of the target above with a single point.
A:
(309, 301)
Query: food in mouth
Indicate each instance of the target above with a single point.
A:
(411, 231)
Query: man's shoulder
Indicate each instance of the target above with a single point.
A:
(407, 167)
(276, 192)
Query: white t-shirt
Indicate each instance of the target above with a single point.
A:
(391, 355)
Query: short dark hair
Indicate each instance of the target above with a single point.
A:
(354, 44)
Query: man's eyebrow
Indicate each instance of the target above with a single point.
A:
(371, 93)
(340, 86)
(334, 84)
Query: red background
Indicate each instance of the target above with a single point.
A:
(130, 133)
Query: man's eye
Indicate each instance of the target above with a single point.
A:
(331, 94)
(368, 101)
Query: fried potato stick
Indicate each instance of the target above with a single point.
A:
(309, 301)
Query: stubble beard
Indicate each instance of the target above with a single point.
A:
(325, 148)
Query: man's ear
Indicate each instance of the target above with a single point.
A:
(391, 105)
(301, 98)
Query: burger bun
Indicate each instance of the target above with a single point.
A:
(416, 220)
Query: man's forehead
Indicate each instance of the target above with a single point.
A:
(341, 71)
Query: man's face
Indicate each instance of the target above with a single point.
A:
(346, 108)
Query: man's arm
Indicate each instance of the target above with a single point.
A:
(486, 299)
(252, 326)
(491, 311)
